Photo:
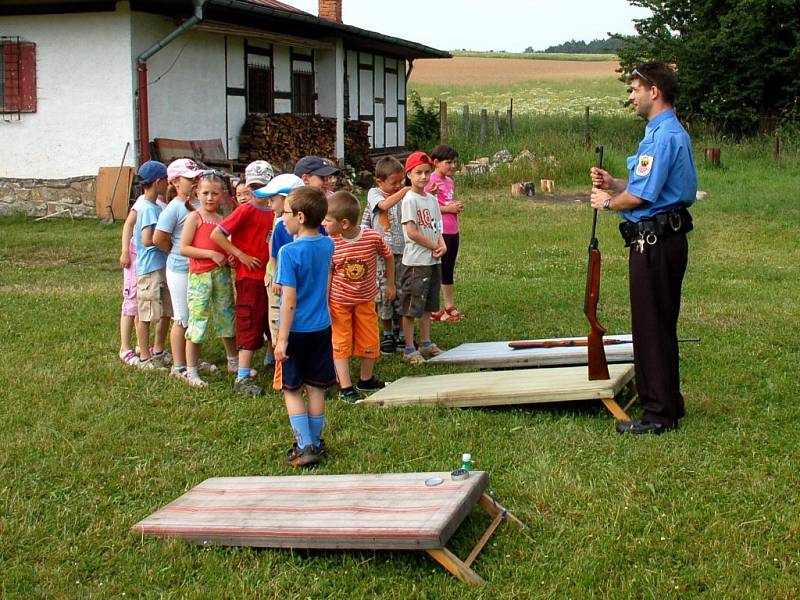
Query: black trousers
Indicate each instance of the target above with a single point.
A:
(656, 276)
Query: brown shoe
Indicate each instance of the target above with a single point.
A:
(302, 457)
(430, 351)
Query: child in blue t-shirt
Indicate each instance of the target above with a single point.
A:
(304, 351)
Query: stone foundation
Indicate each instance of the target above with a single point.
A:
(39, 197)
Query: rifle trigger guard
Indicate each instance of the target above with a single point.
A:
(651, 239)
(675, 221)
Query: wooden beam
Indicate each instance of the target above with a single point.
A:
(455, 565)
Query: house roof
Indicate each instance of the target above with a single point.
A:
(269, 15)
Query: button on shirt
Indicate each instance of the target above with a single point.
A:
(662, 172)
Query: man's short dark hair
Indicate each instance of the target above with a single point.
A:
(659, 74)
(311, 202)
(386, 167)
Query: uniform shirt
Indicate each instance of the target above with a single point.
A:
(250, 226)
(424, 212)
(304, 265)
(354, 278)
(148, 258)
(171, 221)
(444, 196)
(662, 172)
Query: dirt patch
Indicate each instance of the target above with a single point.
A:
(476, 71)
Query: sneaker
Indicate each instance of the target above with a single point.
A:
(234, 370)
(372, 384)
(153, 363)
(301, 457)
(269, 360)
(194, 380)
(430, 351)
(129, 358)
(206, 367)
(387, 344)
(350, 396)
(164, 356)
(399, 341)
(322, 448)
(178, 373)
(248, 387)
(415, 357)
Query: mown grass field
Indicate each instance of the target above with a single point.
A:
(89, 447)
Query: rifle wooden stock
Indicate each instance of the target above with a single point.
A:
(598, 364)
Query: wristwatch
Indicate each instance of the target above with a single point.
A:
(607, 204)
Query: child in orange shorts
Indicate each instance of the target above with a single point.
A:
(353, 288)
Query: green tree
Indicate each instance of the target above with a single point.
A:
(423, 123)
(738, 61)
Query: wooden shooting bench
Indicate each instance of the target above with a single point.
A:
(498, 355)
(396, 511)
(499, 388)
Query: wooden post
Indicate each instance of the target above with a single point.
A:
(442, 121)
(465, 120)
(484, 126)
(587, 136)
(777, 151)
(713, 156)
(510, 117)
(496, 127)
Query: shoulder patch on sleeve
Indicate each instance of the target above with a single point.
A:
(644, 165)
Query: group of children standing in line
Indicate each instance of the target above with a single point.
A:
(313, 276)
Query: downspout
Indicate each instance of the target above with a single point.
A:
(410, 68)
(142, 110)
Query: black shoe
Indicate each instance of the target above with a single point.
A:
(370, 385)
(388, 345)
(641, 426)
(301, 457)
(350, 395)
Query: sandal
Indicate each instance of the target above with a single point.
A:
(439, 315)
(129, 358)
(453, 314)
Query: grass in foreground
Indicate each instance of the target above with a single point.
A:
(89, 446)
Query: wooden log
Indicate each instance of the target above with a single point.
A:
(465, 121)
(524, 188)
(496, 127)
(587, 136)
(484, 127)
(510, 117)
(548, 186)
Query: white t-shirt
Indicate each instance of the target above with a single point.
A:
(424, 211)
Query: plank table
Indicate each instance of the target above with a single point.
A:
(495, 388)
(394, 511)
(498, 355)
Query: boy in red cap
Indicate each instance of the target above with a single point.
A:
(422, 258)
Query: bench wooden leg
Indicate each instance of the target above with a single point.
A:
(455, 565)
(615, 409)
(634, 394)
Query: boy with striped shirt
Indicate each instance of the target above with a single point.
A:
(353, 288)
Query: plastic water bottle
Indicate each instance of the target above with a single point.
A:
(466, 461)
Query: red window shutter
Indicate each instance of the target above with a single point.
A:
(19, 77)
(27, 77)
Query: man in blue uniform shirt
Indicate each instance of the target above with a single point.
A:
(661, 184)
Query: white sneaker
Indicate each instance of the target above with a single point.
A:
(206, 367)
(178, 373)
(194, 380)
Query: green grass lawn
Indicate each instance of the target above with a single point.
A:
(89, 447)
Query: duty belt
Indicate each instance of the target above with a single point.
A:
(659, 226)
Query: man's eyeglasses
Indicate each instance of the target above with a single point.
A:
(636, 74)
(288, 212)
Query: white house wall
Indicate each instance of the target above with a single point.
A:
(187, 94)
(84, 114)
(282, 75)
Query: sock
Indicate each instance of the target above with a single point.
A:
(409, 349)
(388, 334)
(302, 430)
(178, 367)
(193, 371)
(243, 373)
(316, 424)
(233, 362)
(424, 343)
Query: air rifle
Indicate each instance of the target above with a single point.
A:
(598, 365)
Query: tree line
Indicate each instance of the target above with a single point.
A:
(599, 46)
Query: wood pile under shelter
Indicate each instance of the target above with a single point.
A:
(282, 139)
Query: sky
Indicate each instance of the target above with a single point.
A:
(510, 25)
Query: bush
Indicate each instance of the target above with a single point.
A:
(423, 123)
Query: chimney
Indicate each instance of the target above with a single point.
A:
(331, 10)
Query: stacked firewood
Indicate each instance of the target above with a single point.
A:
(284, 138)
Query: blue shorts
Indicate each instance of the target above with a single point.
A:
(309, 362)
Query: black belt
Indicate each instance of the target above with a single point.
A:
(658, 226)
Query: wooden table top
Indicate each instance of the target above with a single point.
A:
(380, 511)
